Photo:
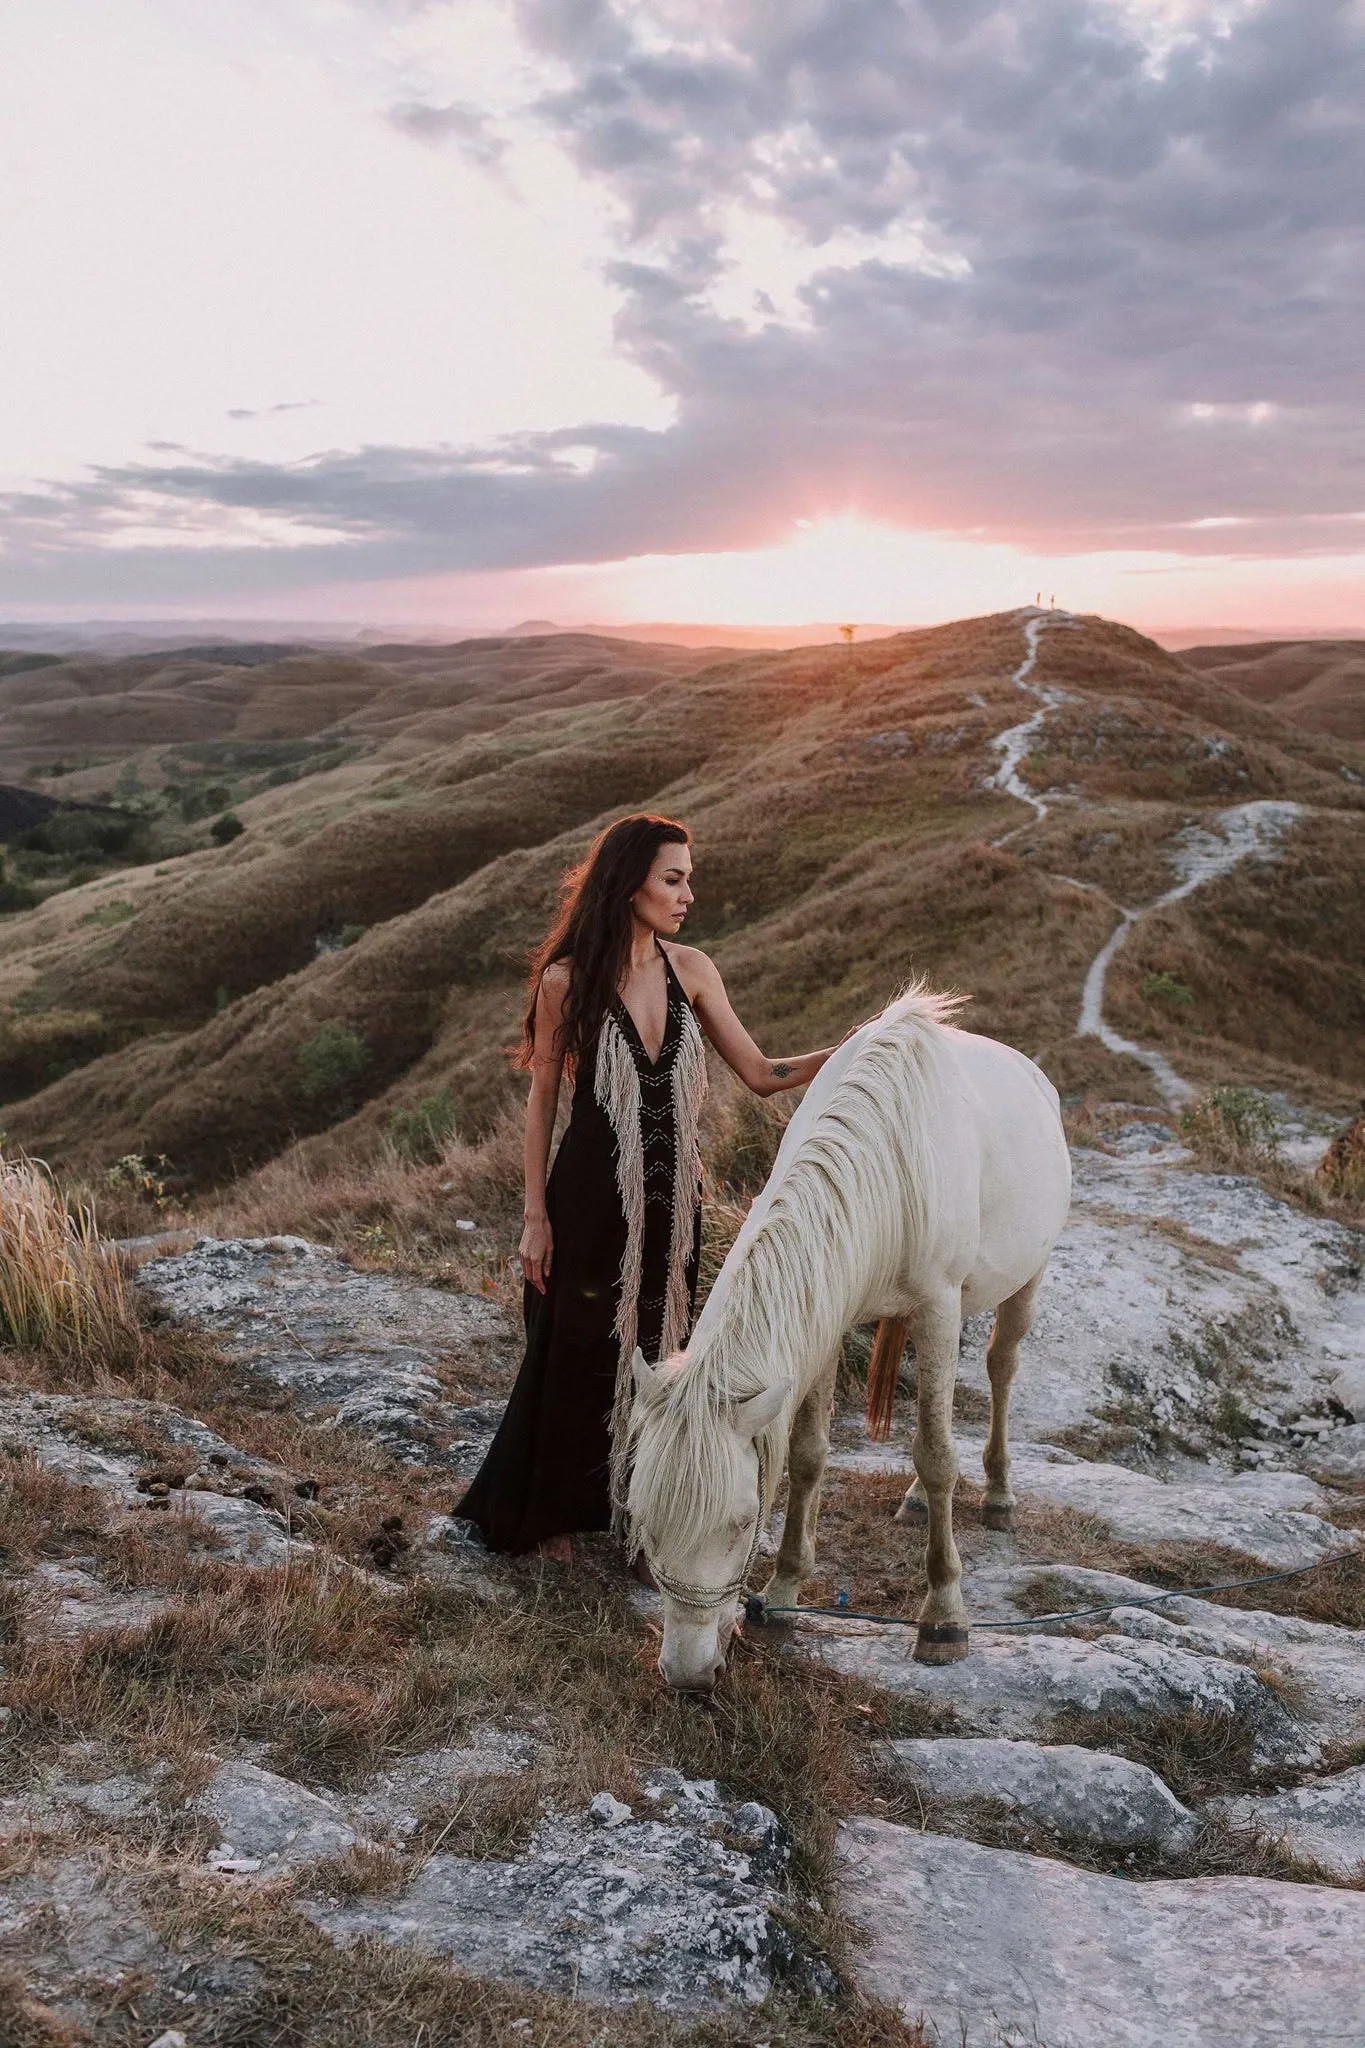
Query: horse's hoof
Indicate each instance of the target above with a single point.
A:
(911, 1512)
(941, 1642)
(996, 1516)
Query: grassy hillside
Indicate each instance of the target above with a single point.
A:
(1320, 684)
(844, 812)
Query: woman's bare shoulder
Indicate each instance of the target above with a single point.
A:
(555, 980)
(695, 970)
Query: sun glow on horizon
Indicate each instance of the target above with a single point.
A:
(846, 567)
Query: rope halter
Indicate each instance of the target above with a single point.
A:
(702, 1597)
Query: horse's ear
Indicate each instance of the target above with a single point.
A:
(751, 1417)
(649, 1380)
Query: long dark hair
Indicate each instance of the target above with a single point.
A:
(592, 930)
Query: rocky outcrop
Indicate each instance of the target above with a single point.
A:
(1082, 1795)
(676, 1905)
(1323, 1822)
(364, 1347)
(1019, 1685)
(995, 1948)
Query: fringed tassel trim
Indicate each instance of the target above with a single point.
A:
(616, 1085)
(688, 1080)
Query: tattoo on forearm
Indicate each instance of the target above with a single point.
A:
(780, 1071)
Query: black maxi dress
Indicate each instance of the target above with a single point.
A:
(624, 1203)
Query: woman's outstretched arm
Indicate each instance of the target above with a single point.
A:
(765, 1076)
(547, 1064)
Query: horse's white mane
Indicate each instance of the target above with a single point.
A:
(856, 1170)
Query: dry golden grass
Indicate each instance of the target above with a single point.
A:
(841, 813)
(1320, 684)
(63, 1289)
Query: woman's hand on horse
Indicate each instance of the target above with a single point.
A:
(535, 1251)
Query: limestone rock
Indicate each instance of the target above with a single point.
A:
(1323, 1822)
(995, 1948)
(1264, 1515)
(1130, 1313)
(68, 1600)
(1340, 1455)
(78, 1435)
(1327, 1663)
(241, 1529)
(270, 1821)
(77, 1925)
(1349, 1389)
(394, 1802)
(1084, 1794)
(613, 1908)
(1017, 1685)
(1268, 1516)
(361, 1344)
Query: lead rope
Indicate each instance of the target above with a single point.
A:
(757, 1610)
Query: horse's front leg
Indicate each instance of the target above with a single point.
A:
(941, 1634)
(807, 1449)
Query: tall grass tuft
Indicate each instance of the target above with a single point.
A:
(63, 1288)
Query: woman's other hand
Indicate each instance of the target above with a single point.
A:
(535, 1251)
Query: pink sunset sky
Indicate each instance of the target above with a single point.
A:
(439, 316)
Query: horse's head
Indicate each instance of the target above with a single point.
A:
(695, 1503)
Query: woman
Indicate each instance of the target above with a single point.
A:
(609, 1248)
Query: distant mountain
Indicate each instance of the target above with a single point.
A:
(814, 635)
(1179, 639)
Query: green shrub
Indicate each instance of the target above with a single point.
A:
(421, 1133)
(226, 828)
(331, 1060)
(1232, 1127)
(1164, 987)
(134, 1175)
(14, 895)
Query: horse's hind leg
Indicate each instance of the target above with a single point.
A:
(1013, 1320)
(941, 1635)
(807, 1448)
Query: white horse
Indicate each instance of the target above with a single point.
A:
(924, 1178)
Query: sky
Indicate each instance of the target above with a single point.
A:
(447, 313)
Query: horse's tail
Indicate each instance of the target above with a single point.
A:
(883, 1374)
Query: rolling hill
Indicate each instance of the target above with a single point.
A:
(852, 827)
(1319, 684)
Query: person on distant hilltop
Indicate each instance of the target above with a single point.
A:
(610, 1244)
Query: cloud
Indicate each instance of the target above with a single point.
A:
(1069, 273)
(265, 412)
(465, 129)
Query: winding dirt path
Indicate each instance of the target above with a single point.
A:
(1202, 855)
(1015, 744)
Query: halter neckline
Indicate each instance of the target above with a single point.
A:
(670, 983)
